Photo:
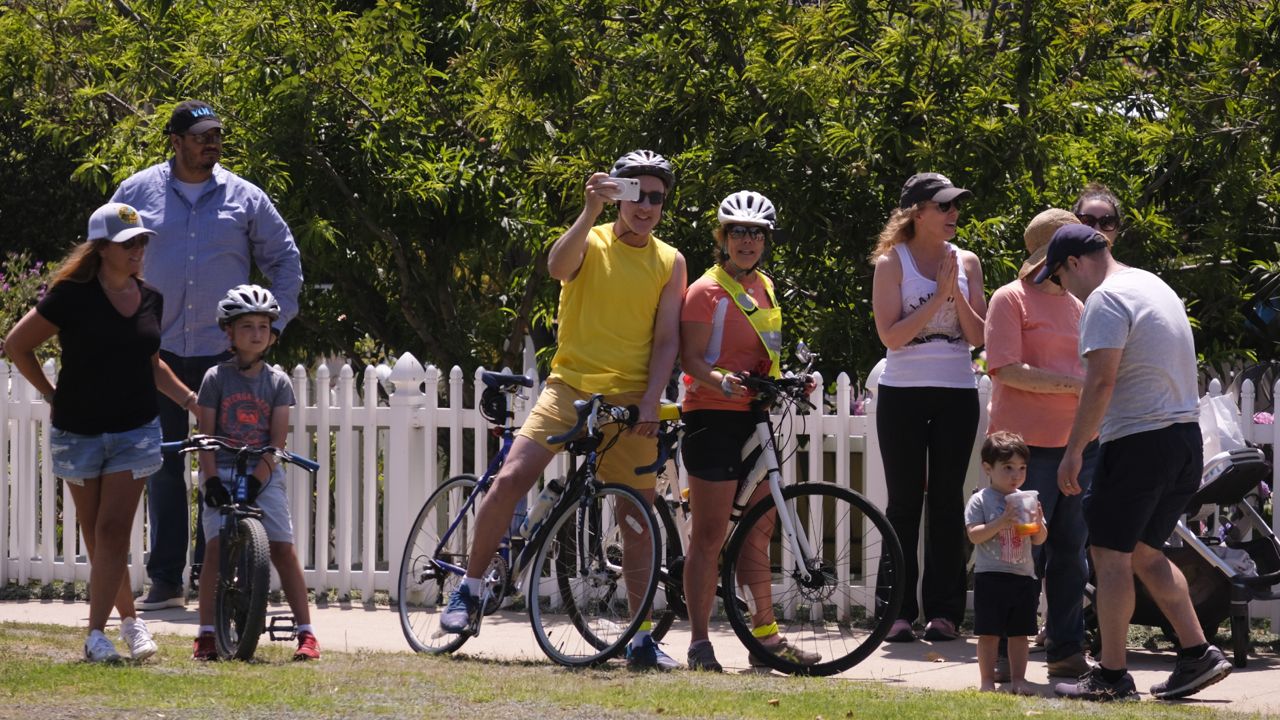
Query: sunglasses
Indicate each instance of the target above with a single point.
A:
(1106, 223)
(209, 137)
(742, 232)
(655, 197)
(133, 242)
(946, 206)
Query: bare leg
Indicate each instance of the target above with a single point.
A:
(1168, 587)
(710, 502)
(209, 579)
(754, 571)
(987, 648)
(285, 559)
(637, 551)
(524, 464)
(1018, 666)
(111, 501)
(1114, 603)
(86, 502)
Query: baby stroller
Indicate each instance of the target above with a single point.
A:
(1223, 546)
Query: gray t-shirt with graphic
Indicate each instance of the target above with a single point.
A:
(1007, 552)
(242, 405)
(1156, 383)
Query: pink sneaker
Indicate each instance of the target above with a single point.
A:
(308, 647)
(940, 630)
(900, 632)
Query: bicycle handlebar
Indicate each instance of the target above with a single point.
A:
(197, 443)
(589, 409)
(769, 390)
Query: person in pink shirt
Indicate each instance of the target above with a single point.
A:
(1032, 332)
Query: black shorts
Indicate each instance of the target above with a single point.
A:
(1005, 604)
(713, 442)
(1141, 486)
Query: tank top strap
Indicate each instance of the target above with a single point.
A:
(907, 261)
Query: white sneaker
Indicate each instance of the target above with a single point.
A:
(134, 633)
(97, 648)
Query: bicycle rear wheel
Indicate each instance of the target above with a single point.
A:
(240, 603)
(578, 594)
(843, 611)
(430, 571)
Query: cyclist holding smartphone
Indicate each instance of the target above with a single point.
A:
(620, 295)
(730, 324)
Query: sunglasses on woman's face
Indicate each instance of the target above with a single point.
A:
(133, 242)
(1106, 223)
(944, 207)
(742, 232)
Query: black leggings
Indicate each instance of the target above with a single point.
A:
(926, 436)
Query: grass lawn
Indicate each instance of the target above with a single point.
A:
(41, 676)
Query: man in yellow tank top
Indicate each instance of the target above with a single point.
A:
(620, 297)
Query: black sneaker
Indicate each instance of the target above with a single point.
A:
(161, 596)
(1191, 676)
(1092, 687)
(703, 657)
(462, 616)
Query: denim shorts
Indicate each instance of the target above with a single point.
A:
(273, 500)
(77, 458)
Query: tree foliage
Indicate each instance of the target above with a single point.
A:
(427, 154)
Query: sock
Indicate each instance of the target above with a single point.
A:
(1112, 676)
(474, 586)
(642, 634)
(306, 628)
(1193, 653)
(205, 630)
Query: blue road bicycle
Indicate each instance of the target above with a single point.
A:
(583, 607)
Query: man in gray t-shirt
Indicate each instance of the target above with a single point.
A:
(1139, 397)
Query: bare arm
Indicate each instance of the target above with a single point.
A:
(169, 384)
(982, 532)
(279, 430)
(206, 423)
(886, 302)
(694, 337)
(1099, 383)
(1033, 379)
(566, 254)
(971, 307)
(20, 346)
(666, 343)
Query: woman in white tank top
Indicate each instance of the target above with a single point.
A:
(929, 307)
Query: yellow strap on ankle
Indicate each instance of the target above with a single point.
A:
(647, 626)
(765, 631)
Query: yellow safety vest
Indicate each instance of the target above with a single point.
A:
(766, 321)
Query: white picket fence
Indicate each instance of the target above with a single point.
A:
(378, 463)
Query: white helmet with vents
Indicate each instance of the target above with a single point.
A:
(247, 300)
(747, 207)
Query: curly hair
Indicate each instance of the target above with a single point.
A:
(1097, 191)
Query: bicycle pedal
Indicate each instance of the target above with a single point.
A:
(282, 628)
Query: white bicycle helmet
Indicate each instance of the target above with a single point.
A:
(644, 162)
(747, 207)
(247, 300)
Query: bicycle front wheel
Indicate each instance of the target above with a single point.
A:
(583, 605)
(430, 569)
(834, 607)
(240, 603)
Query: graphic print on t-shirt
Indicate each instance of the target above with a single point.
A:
(246, 418)
(1014, 548)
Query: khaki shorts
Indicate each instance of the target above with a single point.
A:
(554, 414)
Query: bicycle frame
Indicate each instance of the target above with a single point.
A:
(800, 549)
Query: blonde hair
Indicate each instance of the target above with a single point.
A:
(82, 263)
(900, 228)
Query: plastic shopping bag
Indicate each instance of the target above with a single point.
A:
(1220, 425)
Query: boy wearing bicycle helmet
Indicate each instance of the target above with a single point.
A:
(620, 295)
(246, 400)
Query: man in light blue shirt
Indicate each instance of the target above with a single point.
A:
(210, 225)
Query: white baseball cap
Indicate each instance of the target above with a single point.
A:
(116, 222)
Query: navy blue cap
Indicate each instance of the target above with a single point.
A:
(1069, 241)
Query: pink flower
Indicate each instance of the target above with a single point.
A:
(1263, 418)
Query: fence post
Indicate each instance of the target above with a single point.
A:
(403, 453)
(344, 461)
(369, 486)
(324, 442)
(5, 460)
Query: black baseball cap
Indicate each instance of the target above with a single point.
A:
(929, 186)
(1070, 241)
(192, 116)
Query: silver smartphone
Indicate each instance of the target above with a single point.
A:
(628, 189)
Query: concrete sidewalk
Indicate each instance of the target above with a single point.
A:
(507, 635)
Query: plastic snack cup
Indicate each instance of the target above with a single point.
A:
(1026, 502)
